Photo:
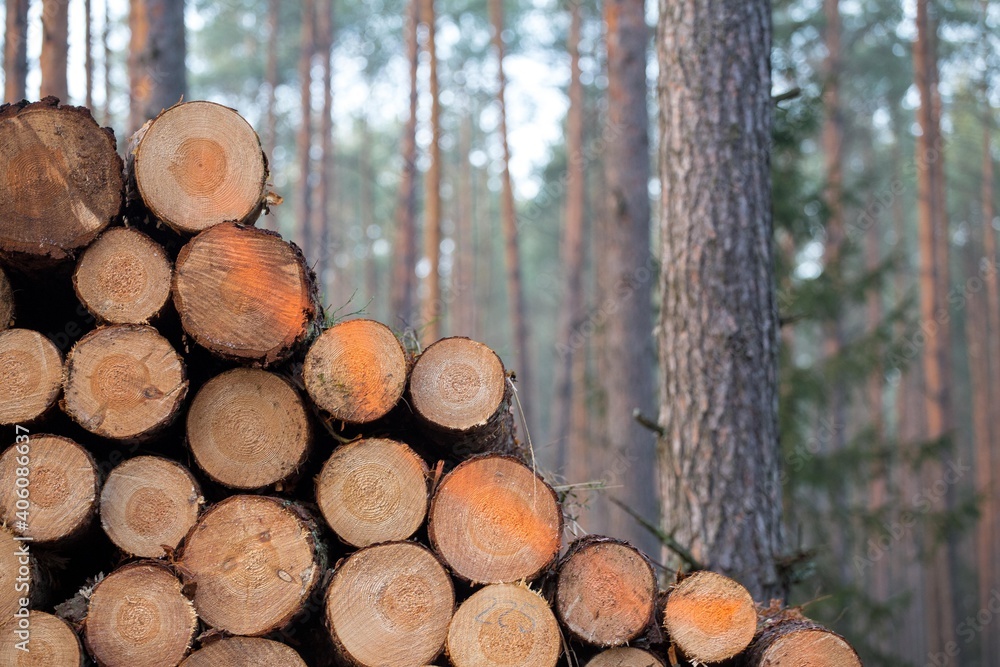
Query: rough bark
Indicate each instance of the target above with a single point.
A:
(8, 307)
(156, 71)
(432, 306)
(55, 49)
(15, 51)
(718, 325)
(30, 376)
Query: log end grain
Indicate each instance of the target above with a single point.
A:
(15, 577)
(30, 375)
(123, 382)
(389, 605)
(458, 384)
(355, 371)
(709, 617)
(373, 490)
(244, 652)
(248, 429)
(798, 642)
(51, 642)
(149, 503)
(625, 657)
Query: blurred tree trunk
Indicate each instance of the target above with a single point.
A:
(463, 290)
(156, 73)
(430, 310)
(88, 63)
(933, 226)
(568, 345)
(271, 79)
(307, 48)
(55, 49)
(106, 49)
(508, 218)
(718, 330)
(15, 51)
(323, 224)
(367, 203)
(405, 240)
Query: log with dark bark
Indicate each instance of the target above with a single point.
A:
(460, 393)
(356, 371)
(196, 165)
(253, 562)
(62, 182)
(30, 375)
(139, 617)
(625, 657)
(248, 428)
(504, 624)
(373, 490)
(148, 505)
(606, 591)
(493, 520)
(123, 277)
(124, 382)
(49, 642)
(389, 605)
(244, 652)
(7, 308)
(244, 294)
(789, 640)
(709, 617)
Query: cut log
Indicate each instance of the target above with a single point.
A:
(149, 503)
(123, 277)
(138, 617)
(709, 617)
(461, 395)
(6, 302)
(15, 573)
(253, 562)
(625, 657)
(48, 642)
(196, 165)
(62, 182)
(244, 294)
(493, 520)
(788, 640)
(30, 375)
(355, 371)
(505, 625)
(389, 605)
(606, 591)
(124, 382)
(248, 429)
(372, 491)
(244, 652)
(61, 488)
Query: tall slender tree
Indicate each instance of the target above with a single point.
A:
(156, 70)
(106, 60)
(271, 79)
(88, 62)
(307, 48)
(15, 51)
(430, 309)
(464, 299)
(55, 48)
(323, 225)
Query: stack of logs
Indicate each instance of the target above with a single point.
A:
(203, 471)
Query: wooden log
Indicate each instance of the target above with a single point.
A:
(60, 489)
(389, 605)
(123, 277)
(493, 520)
(248, 429)
(253, 561)
(139, 617)
(505, 625)
(355, 371)
(244, 652)
(196, 165)
(62, 182)
(605, 591)
(460, 394)
(373, 490)
(625, 657)
(30, 376)
(48, 641)
(7, 308)
(124, 382)
(16, 573)
(244, 294)
(709, 617)
(148, 505)
(789, 640)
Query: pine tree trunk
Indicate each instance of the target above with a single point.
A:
(271, 78)
(15, 51)
(88, 54)
(55, 49)
(156, 69)
(718, 327)
(106, 51)
(431, 306)
(464, 284)
(324, 194)
(307, 47)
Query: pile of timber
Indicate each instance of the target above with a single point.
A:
(202, 470)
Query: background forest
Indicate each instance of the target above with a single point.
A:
(444, 195)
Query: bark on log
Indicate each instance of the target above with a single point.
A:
(62, 182)
(124, 382)
(356, 371)
(138, 617)
(373, 490)
(62, 488)
(148, 505)
(244, 652)
(460, 393)
(504, 624)
(7, 308)
(709, 617)
(50, 642)
(30, 376)
(248, 429)
(123, 277)
(244, 294)
(253, 561)
(389, 605)
(625, 657)
(605, 592)
(196, 165)
(493, 520)
(789, 640)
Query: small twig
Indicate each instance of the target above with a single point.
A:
(648, 423)
(790, 94)
(667, 540)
